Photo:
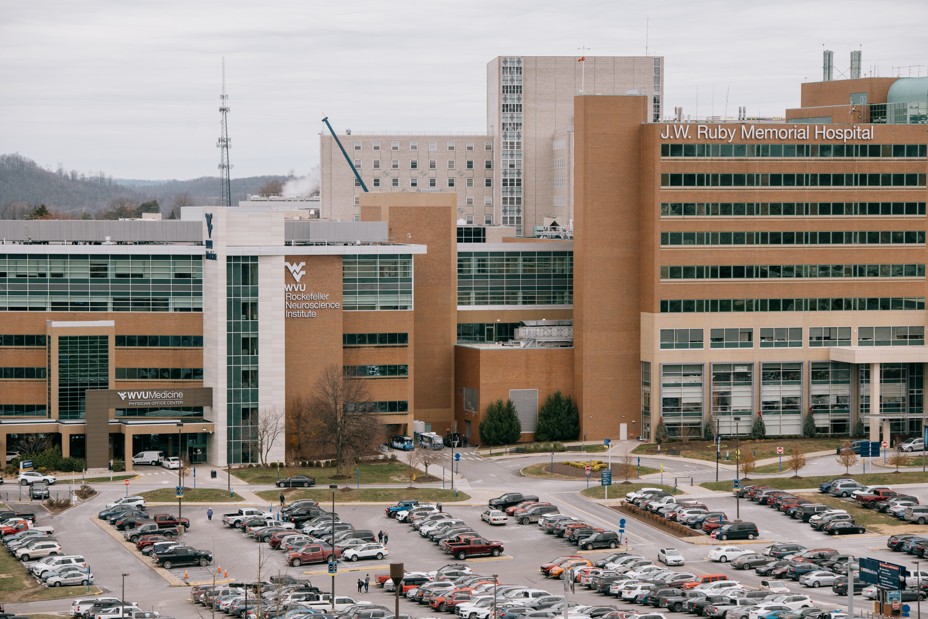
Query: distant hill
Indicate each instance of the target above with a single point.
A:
(25, 185)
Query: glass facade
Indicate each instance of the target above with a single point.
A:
(830, 397)
(486, 332)
(883, 304)
(699, 179)
(682, 401)
(83, 363)
(792, 271)
(511, 142)
(19, 340)
(22, 373)
(377, 282)
(902, 388)
(814, 237)
(681, 339)
(380, 340)
(791, 209)
(76, 283)
(159, 373)
(793, 151)
(242, 358)
(732, 389)
(645, 399)
(891, 336)
(515, 278)
(781, 397)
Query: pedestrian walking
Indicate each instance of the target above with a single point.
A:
(360, 585)
(367, 582)
(380, 536)
(282, 499)
(386, 538)
(209, 513)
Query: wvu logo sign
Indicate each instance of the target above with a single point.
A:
(296, 270)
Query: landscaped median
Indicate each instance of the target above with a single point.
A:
(619, 490)
(366, 495)
(761, 449)
(380, 472)
(887, 478)
(577, 470)
(656, 520)
(191, 495)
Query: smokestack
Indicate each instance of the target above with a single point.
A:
(828, 65)
(855, 64)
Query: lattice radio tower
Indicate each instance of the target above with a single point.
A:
(225, 179)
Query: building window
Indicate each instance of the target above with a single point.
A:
(433, 164)
(375, 340)
(451, 164)
(829, 336)
(792, 209)
(357, 201)
(488, 146)
(830, 396)
(515, 278)
(469, 219)
(488, 220)
(450, 145)
(488, 164)
(375, 145)
(159, 373)
(469, 164)
(357, 145)
(682, 399)
(488, 200)
(732, 391)
(731, 338)
(357, 183)
(433, 145)
(395, 145)
(469, 145)
(814, 304)
(469, 182)
(376, 164)
(413, 145)
(781, 337)
(681, 339)
(414, 182)
(83, 363)
(155, 341)
(377, 371)
(471, 399)
(377, 282)
(469, 201)
(433, 182)
(781, 398)
(488, 182)
(395, 164)
(358, 163)
(450, 182)
(891, 336)
(394, 182)
(376, 182)
(413, 164)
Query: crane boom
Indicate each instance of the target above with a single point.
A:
(347, 158)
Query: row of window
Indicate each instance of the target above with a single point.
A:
(789, 209)
(389, 406)
(24, 340)
(815, 237)
(791, 337)
(353, 340)
(161, 413)
(159, 341)
(23, 373)
(377, 371)
(789, 179)
(432, 145)
(792, 271)
(478, 263)
(377, 282)
(687, 306)
(433, 164)
(486, 332)
(82, 267)
(432, 182)
(42, 303)
(778, 151)
(159, 373)
(23, 410)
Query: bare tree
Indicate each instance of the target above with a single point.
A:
(847, 457)
(747, 462)
(341, 412)
(427, 457)
(627, 468)
(897, 459)
(797, 460)
(301, 431)
(268, 427)
(686, 432)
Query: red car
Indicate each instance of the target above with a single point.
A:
(147, 540)
(546, 567)
(312, 553)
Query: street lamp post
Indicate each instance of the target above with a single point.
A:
(918, 589)
(180, 468)
(333, 487)
(495, 587)
(738, 467)
(454, 444)
(718, 446)
(122, 606)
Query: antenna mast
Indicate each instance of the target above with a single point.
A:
(225, 180)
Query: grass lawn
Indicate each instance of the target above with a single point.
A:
(191, 495)
(620, 489)
(383, 472)
(767, 448)
(563, 471)
(101, 480)
(17, 586)
(791, 483)
(365, 495)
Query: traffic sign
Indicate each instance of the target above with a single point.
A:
(884, 444)
(126, 482)
(607, 441)
(179, 492)
(457, 457)
(736, 483)
(779, 451)
(605, 478)
(622, 523)
(333, 567)
(588, 469)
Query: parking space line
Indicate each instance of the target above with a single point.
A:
(172, 580)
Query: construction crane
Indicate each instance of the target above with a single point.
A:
(347, 158)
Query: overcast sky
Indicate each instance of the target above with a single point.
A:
(132, 88)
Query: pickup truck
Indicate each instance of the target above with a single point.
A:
(234, 519)
(875, 496)
(401, 506)
(183, 555)
(165, 521)
(7, 514)
(509, 499)
(149, 528)
(475, 548)
(13, 526)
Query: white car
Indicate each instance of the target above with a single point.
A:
(774, 586)
(631, 496)
(494, 516)
(27, 478)
(82, 605)
(11, 455)
(670, 556)
(915, 578)
(39, 568)
(818, 578)
(871, 592)
(912, 444)
(171, 462)
(633, 591)
(724, 554)
(70, 576)
(794, 602)
(135, 501)
(366, 551)
(38, 550)
(766, 607)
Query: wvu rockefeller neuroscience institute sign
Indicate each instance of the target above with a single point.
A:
(299, 301)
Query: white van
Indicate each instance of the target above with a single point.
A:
(148, 457)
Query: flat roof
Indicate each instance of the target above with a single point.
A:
(859, 355)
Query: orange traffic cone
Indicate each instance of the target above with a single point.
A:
(227, 574)
(185, 574)
(219, 570)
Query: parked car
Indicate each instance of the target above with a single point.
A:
(129, 501)
(845, 488)
(171, 462)
(296, 481)
(366, 551)
(724, 554)
(70, 575)
(737, 530)
(818, 578)
(912, 444)
(843, 527)
(605, 539)
(30, 477)
(181, 556)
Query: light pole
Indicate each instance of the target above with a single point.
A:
(495, 587)
(918, 590)
(718, 446)
(737, 468)
(122, 606)
(180, 468)
(333, 488)
(454, 443)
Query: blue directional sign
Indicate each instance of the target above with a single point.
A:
(736, 484)
(179, 492)
(605, 478)
(885, 575)
(333, 567)
(607, 441)
(621, 524)
(457, 457)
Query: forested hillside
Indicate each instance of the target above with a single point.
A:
(25, 187)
